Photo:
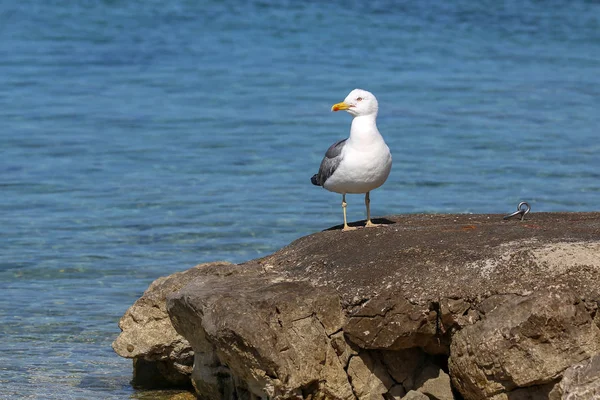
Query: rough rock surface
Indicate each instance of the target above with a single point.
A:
(580, 381)
(414, 395)
(435, 383)
(161, 356)
(524, 342)
(368, 376)
(492, 309)
(276, 336)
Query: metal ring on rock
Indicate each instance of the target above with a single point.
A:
(522, 209)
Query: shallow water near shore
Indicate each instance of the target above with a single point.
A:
(139, 139)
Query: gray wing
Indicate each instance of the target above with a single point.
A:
(330, 162)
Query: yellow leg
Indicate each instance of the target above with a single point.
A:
(346, 227)
(369, 224)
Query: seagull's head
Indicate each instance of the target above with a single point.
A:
(358, 102)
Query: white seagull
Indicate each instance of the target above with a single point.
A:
(361, 162)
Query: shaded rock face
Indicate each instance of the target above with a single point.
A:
(431, 307)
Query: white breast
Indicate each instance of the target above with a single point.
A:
(362, 169)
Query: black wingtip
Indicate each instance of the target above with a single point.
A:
(314, 180)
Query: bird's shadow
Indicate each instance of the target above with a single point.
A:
(361, 224)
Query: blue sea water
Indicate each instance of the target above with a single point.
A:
(139, 138)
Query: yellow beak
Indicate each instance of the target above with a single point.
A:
(340, 106)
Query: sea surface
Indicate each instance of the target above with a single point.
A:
(140, 138)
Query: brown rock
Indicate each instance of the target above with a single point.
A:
(183, 396)
(454, 314)
(435, 383)
(288, 325)
(164, 358)
(523, 342)
(432, 257)
(269, 336)
(404, 365)
(580, 381)
(368, 376)
(393, 323)
(537, 392)
(343, 349)
(414, 282)
(414, 395)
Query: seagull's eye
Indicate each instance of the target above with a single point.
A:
(359, 99)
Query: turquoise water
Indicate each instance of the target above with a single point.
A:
(141, 138)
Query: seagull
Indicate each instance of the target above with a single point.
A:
(361, 162)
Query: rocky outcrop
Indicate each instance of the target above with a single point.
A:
(161, 356)
(428, 306)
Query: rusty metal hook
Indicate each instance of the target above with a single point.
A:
(522, 209)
